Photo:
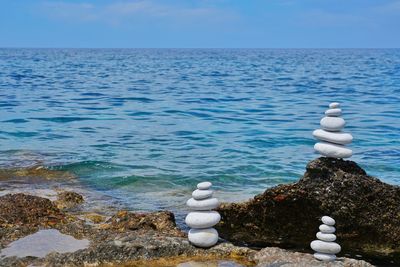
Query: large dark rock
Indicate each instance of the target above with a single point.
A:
(366, 210)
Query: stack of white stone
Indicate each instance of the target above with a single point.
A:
(202, 218)
(325, 247)
(331, 136)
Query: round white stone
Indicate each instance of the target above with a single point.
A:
(332, 124)
(334, 137)
(205, 204)
(202, 219)
(203, 237)
(334, 105)
(202, 194)
(327, 229)
(325, 247)
(333, 112)
(204, 185)
(328, 220)
(333, 150)
(326, 237)
(324, 257)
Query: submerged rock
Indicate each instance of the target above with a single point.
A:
(366, 210)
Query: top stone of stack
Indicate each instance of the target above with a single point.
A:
(331, 136)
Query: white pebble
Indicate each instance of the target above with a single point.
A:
(326, 237)
(327, 229)
(325, 247)
(204, 185)
(202, 194)
(205, 204)
(333, 124)
(328, 220)
(324, 256)
(203, 237)
(334, 105)
(333, 150)
(202, 219)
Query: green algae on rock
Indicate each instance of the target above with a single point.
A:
(366, 210)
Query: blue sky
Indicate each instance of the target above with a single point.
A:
(201, 23)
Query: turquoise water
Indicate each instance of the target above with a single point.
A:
(144, 126)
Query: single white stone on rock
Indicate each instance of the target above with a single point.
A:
(328, 220)
(324, 256)
(333, 137)
(333, 112)
(204, 185)
(202, 219)
(203, 237)
(333, 150)
(334, 105)
(202, 194)
(333, 124)
(327, 229)
(326, 237)
(205, 204)
(325, 247)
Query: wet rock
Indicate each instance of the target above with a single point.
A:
(27, 210)
(366, 210)
(68, 200)
(280, 257)
(162, 221)
(35, 173)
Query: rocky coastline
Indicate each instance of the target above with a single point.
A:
(280, 223)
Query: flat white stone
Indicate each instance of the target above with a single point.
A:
(333, 124)
(325, 247)
(326, 237)
(333, 137)
(333, 112)
(327, 229)
(204, 185)
(324, 257)
(205, 204)
(328, 220)
(203, 237)
(333, 150)
(334, 105)
(202, 194)
(202, 219)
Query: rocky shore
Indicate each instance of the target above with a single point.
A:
(285, 216)
(367, 212)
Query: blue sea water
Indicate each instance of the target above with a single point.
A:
(145, 125)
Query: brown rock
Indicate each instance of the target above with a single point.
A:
(366, 210)
(21, 209)
(68, 200)
(162, 221)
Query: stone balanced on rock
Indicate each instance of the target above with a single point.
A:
(202, 218)
(325, 247)
(332, 139)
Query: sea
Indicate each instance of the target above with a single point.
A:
(144, 126)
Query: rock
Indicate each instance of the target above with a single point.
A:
(27, 210)
(334, 105)
(333, 112)
(204, 185)
(333, 137)
(326, 237)
(202, 194)
(333, 124)
(68, 200)
(333, 150)
(161, 221)
(203, 237)
(325, 247)
(328, 220)
(366, 210)
(326, 229)
(275, 257)
(324, 256)
(202, 219)
(205, 204)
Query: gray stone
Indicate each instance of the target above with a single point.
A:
(326, 229)
(333, 150)
(333, 112)
(333, 137)
(328, 220)
(326, 237)
(205, 204)
(324, 256)
(203, 237)
(204, 185)
(202, 219)
(325, 247)
(334, 105)
(202, 194)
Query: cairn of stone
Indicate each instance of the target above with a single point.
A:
(325, 248)
(332, 139)
(202, 218)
